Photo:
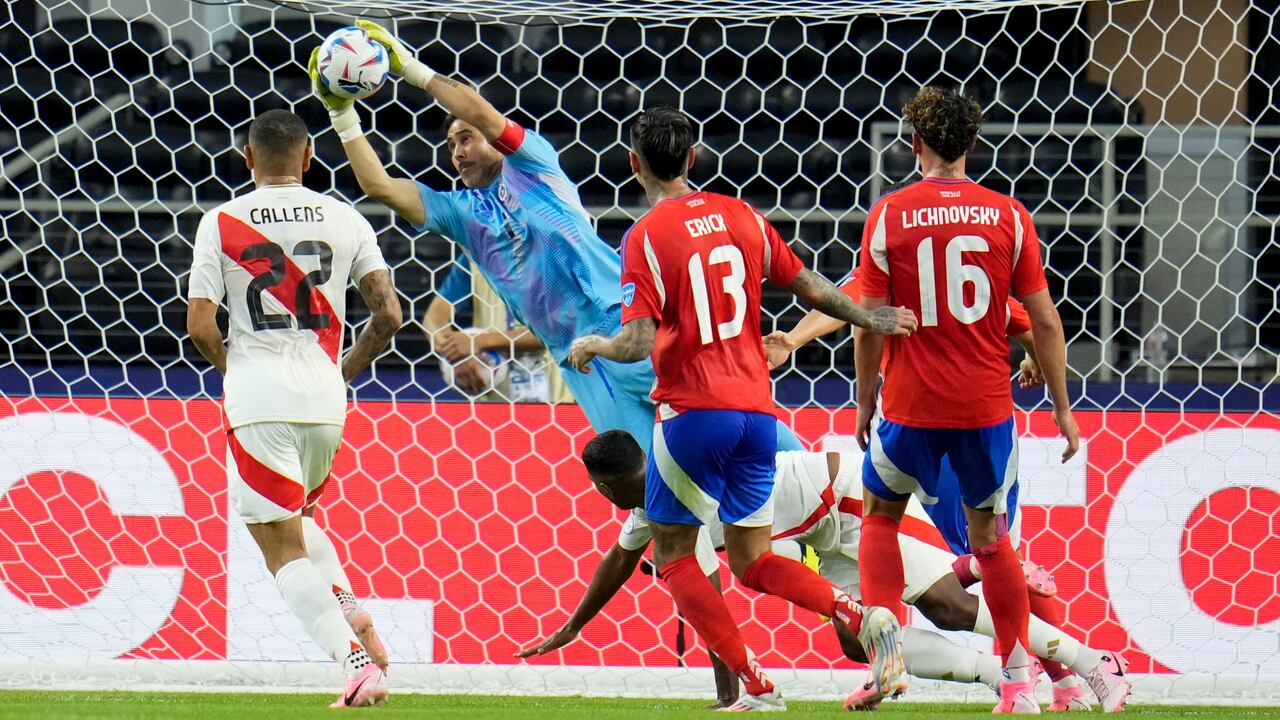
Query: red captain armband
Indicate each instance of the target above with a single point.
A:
(511, 139)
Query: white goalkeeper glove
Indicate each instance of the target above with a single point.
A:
(342, 111)
(403, 62)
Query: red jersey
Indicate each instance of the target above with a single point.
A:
(695, 264)
(953, 252)
(1017, 321)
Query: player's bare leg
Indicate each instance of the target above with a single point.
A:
(324, 557)
(305, 592)
(703, 607)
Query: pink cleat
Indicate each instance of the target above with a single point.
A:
(866, 697)
(362, 625)
(1109, 680)
(367, 689)
(1018, 698)
(1069, 696)
(1039, 581)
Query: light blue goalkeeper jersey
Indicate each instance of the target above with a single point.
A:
(533, 241)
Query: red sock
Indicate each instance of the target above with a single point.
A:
(703, 607)
(799, 584)
(1050, 610)
(1005, 589)
(880, 563)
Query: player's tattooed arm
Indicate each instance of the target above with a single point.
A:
(466, 104)
(459, 99)
(384, 320)
(202, 326)
(868, 351)
(819, 293)
(633, 344)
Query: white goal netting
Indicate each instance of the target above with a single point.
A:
(1143, 136)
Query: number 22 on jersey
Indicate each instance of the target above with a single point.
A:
(731, 285)
(957, 275)
(278, 275)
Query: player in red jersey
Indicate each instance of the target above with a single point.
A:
(948, 515)
(953, 251)
(691, 277)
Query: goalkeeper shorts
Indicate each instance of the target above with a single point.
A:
(275, 470)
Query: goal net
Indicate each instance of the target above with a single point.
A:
(1142, 135)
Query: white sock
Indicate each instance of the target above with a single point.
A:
(1047, 641)
(930, 655)
(324, 557)
(1018, 668)
(315, 606)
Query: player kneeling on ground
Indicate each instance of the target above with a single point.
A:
(282, 256)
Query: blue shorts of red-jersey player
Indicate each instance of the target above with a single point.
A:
(946, 469)
(709, 463)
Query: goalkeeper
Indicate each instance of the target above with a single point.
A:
(522, 225)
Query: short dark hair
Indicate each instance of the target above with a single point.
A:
(947, 121)
(612, 453)
(278, 133)
(662, 137)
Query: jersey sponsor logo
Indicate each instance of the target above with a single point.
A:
(951, 215)
(628, 293)
(706, 225)
(301, 214)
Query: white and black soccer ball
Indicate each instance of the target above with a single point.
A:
(351, 64)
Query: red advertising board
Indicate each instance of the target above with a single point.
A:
(1164, 538)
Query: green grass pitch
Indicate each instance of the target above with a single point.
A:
(257, 706)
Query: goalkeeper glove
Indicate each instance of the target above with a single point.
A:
(403, 62)
(342, 111)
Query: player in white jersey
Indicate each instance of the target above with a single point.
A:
(282, 257)
(817, 500)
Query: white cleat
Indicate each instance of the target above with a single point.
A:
(881, 637)
(362, 625)
(768, 702)
(1109, 680)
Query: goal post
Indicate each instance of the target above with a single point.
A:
(1142, 135)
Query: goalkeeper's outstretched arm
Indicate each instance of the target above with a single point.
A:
(462, 101)
(399, 194)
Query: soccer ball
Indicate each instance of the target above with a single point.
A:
(351, 64)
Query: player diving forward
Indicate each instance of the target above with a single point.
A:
(817, 500)
(692, 273)
(521, 223)
(282, 256)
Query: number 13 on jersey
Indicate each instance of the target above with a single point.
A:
(731, 285)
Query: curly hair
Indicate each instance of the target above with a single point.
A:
(947, 121)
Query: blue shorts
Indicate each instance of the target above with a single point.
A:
(903, 461)
(948, 513)
(712, 462)
(615, 396)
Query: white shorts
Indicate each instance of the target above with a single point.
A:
(922, 565)
(275, 470)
